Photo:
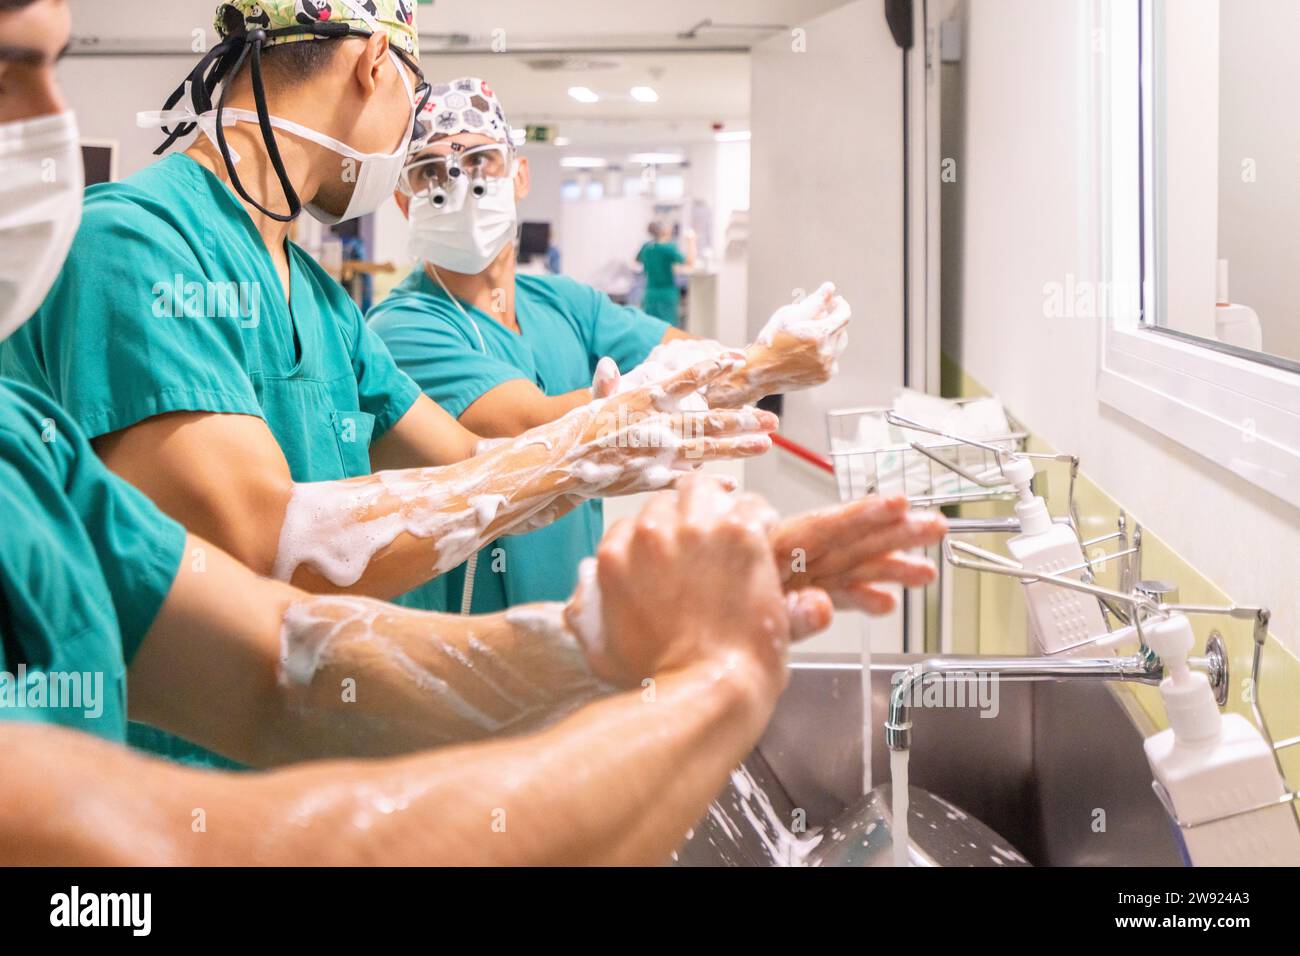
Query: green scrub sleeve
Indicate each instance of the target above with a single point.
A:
(444, 361)
(133, 328)
(137, 548)
(140, 549)
(384, 390)
(625, 334)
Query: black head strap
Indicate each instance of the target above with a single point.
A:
(253, 51)
(218, 67)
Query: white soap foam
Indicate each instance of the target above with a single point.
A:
(449, 669)
(784, 847)
(588, 624)
(313, 631)
(336, 528)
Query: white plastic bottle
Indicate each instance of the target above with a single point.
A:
(1059, 617)
(1212, 765)
(1234, 323)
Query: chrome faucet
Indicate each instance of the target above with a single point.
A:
(1146, 601)
(1143, 667)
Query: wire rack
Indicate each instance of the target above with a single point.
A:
(965, 555)
(875, 451)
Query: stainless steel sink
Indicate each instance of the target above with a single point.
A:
(1059, 772)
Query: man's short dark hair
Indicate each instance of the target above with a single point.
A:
(287, 63)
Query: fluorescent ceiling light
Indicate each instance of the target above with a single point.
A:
(645, 94)
(657, 159)
(583, 162)
(561, 141)
(732, 136)
(583, 94)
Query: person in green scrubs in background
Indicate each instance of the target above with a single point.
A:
(505, 352)
(489, 358)
(212, 362)
(660, 258)
(97, 584)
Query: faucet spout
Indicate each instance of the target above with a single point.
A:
(1143, 667)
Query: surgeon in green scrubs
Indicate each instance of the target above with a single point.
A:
(211, 361)
(660, 258)
(548, 336)
(193, 312)
(504, 352)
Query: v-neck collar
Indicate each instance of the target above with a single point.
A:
(432, 287)
(286, 297)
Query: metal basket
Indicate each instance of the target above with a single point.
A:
(939, 470)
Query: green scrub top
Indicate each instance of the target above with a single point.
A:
(86, 561)
(566, 328)
(662, 296)
(169, 302)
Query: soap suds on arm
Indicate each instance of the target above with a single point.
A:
(361, 677)
(443, 515)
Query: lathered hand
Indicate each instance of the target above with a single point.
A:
(798, 348)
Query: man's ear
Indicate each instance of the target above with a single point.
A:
(523, 179)
(372, 62)
(403, 203)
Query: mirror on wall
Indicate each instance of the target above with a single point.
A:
(1222, 174)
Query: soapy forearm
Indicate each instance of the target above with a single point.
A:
(387, 533)
(786, 364)
(358, 677)
(798, 348)
(616, 783)
(648, 770)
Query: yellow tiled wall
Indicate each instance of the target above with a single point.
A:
(999, 610)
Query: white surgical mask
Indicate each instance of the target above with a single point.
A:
(376, 173)
(379, 172)
(41, 182)
(467, 233)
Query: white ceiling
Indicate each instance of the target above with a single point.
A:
(525, 22)
(696, 89)
(596, 22)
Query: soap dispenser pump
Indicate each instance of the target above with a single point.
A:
(1060, 618)
(1214, 767)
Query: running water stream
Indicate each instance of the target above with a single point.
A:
(897, 758)
(898, 776)
(868, 725)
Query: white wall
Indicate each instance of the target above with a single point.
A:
(838, 215)
(835, 215)
(1189, 88)
(1259, 221)
(107, 91)
(1021, 230)
(599, 232)
(542, 204)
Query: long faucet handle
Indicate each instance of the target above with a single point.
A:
(893, 418)
(988, 562)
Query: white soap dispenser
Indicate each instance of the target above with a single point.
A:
(1059, 617)
(1213, 765)
(1234, 323)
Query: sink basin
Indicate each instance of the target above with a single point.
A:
(1059, 773)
